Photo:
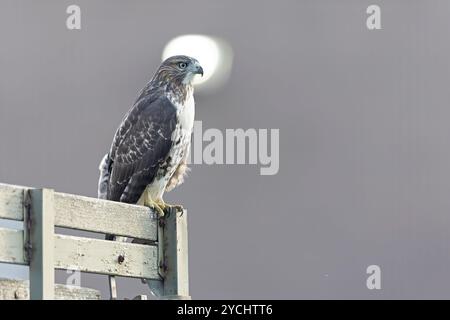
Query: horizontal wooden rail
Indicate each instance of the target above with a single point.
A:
(93, 255)
(106, 257)
(20, 290)
(83, 213)
(87, 214)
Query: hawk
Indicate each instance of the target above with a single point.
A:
(148, 154)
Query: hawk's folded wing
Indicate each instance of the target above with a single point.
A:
(141, 144)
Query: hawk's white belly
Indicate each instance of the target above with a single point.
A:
(181, 139)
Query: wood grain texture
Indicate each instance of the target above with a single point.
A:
(11, 202)
(11, 289)
(88, 255)
(84, 213)
(175, 239)
(11, 246)
(101, 256)
(96, 215)
(42, 272)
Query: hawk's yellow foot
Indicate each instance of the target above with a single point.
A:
(155, 206)
(166, 206)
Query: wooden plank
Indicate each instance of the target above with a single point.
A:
(101, 256)
(11, 202)
(11, 246)
(84, 213)
(42, 272)
(89, 255)
(175, 240)
(96, 215)
(11, 289)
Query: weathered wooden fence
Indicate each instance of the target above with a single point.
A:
(160, 255)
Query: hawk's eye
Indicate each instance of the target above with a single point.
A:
(182, 65)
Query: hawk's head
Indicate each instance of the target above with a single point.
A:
(178, 70)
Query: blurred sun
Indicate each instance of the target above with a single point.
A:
(214, 55)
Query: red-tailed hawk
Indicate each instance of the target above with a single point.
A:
(149, 150)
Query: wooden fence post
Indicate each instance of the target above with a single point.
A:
(175, 242)
(41, 240)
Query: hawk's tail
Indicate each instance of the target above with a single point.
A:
(103, 181)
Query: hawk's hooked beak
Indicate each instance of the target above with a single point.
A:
(198, 69)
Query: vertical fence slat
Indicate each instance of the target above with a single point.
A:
(176, 279)
(42, 272)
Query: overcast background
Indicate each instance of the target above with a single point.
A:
(364, 135)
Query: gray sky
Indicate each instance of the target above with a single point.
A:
(364, 137)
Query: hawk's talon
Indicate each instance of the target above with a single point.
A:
(166, 206)
(160, 211)
(177, 207)
(155, 206)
